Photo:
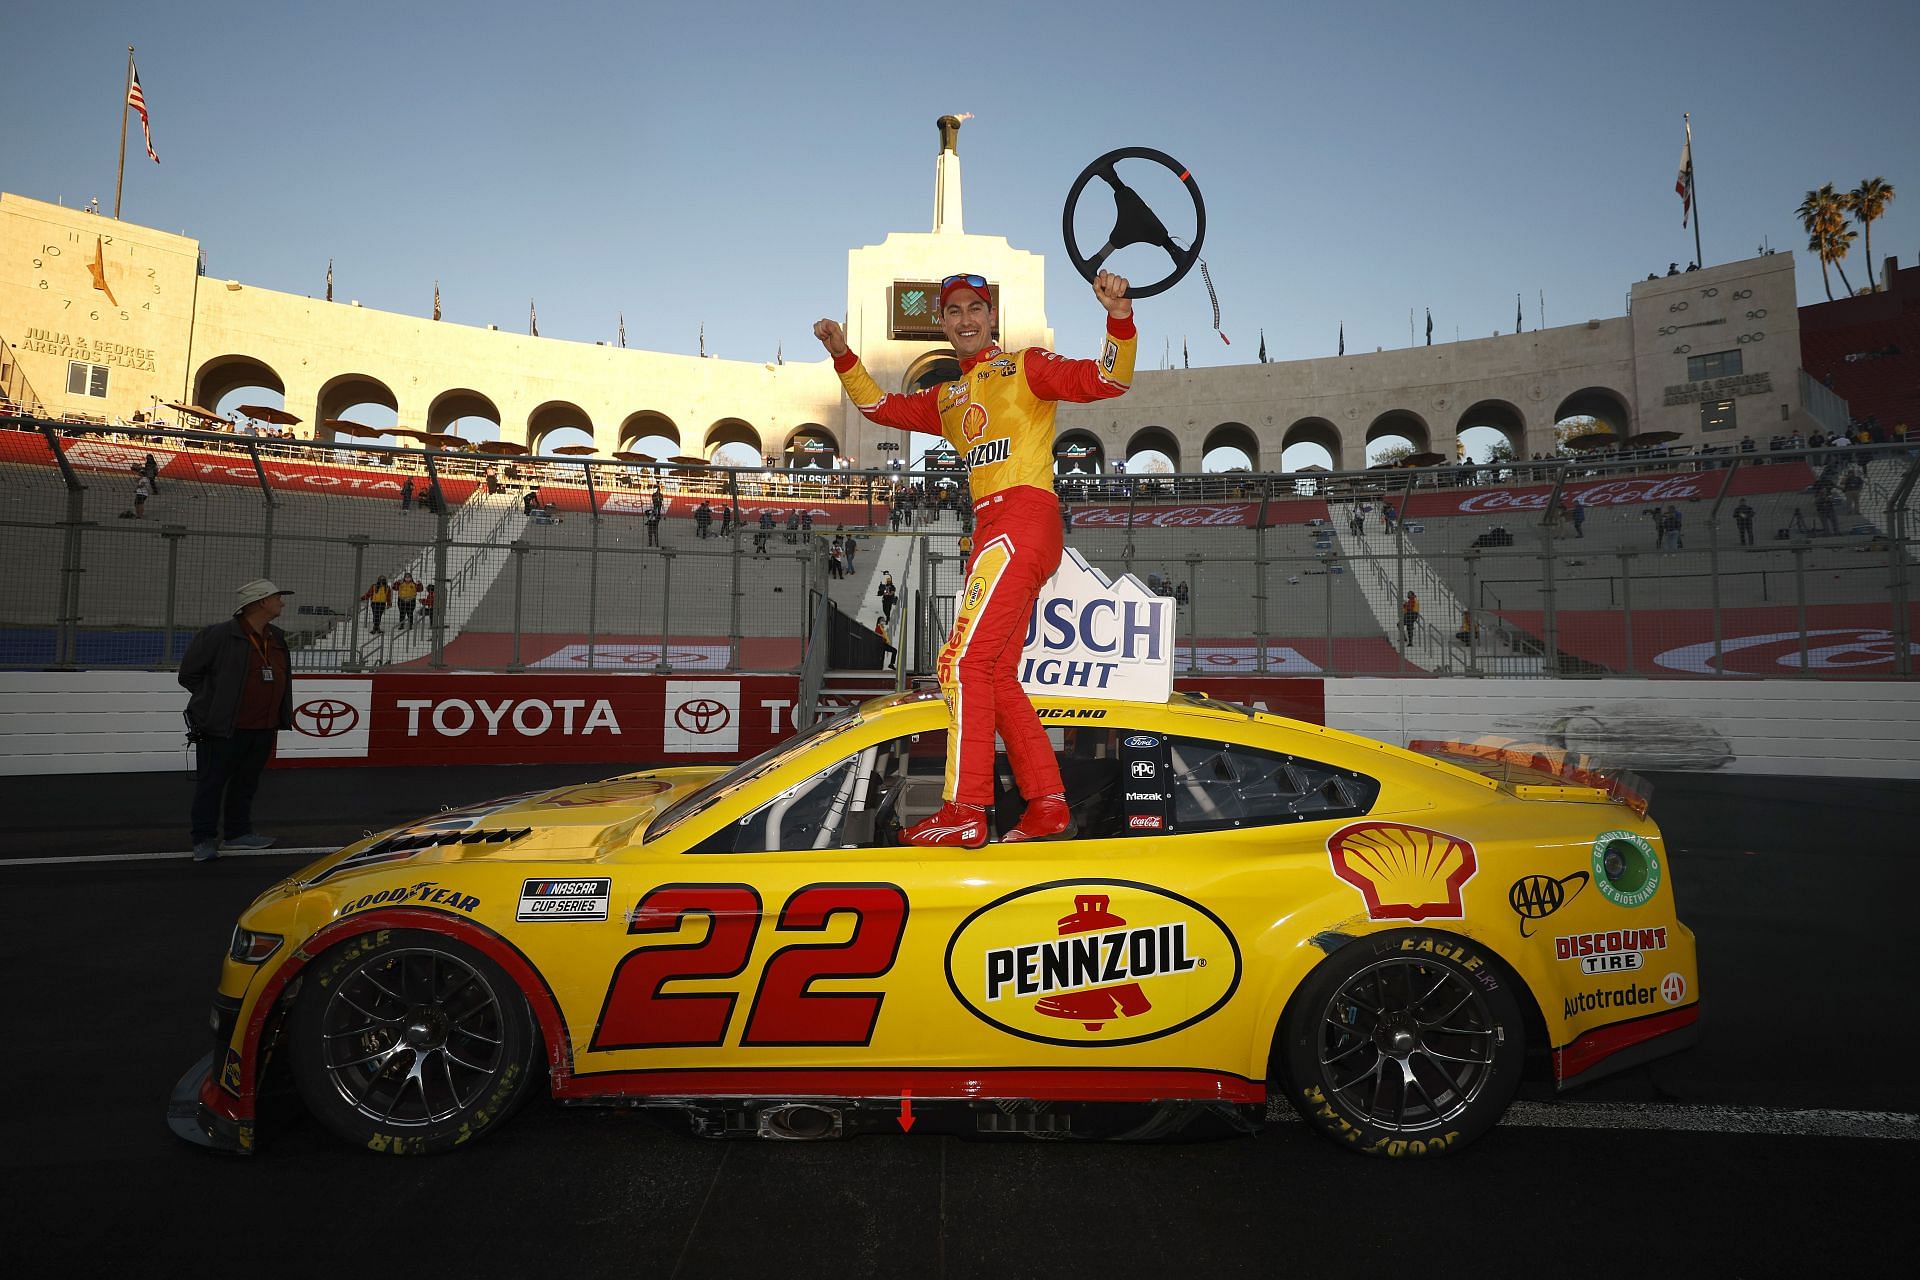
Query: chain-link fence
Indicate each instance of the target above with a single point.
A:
(1781, 562)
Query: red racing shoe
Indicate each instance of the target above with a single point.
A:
(1047, 816)
(956, 825)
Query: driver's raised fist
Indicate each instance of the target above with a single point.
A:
(1112, 292)
(834, 338)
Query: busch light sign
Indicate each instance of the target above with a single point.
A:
(1093, 637)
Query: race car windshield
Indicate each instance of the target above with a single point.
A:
(758, 767)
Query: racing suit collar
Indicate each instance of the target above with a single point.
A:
(989, 352)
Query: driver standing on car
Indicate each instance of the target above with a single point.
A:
(999, 417)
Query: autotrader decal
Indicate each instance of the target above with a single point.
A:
(1089, 963)
(1404, 872)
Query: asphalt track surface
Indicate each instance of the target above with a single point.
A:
(1774, 1147)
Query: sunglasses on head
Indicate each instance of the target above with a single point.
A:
(971, 281)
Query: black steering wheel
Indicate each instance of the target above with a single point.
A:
(1134, 222)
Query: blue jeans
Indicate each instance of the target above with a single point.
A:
(227, 775)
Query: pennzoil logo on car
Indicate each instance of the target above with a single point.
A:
(1093, 962)
(1404, 872)
(564, 899)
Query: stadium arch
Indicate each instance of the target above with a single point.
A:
(1079, 451)
(1404, 424)
(732, 431)
(348, 391)
(645, 425)
(795, 456)
(930, 370)
(1231, 435)
(461, 404)
(1156, 440)
(1603, 404)
(1315, 432)
(553, 417)
(221, 376)
(1496, 415)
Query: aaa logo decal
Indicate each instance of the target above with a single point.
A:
(1092, 963)
(1404, 872)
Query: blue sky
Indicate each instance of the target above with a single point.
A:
(712, 163)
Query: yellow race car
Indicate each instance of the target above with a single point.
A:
(1245, 906)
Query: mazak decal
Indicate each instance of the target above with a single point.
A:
(424, 893)
(1613, 951)
(1404, 872)
(1625, 868)
(1087, 963)
(1537, 897)
(564, 899)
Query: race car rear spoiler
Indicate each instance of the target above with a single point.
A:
(1535, 771)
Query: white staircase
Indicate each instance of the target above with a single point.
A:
(480, 530)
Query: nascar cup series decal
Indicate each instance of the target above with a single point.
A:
(1093, 963)
(1626, 870)
(1403, 872)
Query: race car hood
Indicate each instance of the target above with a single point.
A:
(572, 823)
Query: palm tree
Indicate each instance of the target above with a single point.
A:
(1866, 202)
(1823, 215)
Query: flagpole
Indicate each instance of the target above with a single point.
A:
(1699, 259)
(120, 178)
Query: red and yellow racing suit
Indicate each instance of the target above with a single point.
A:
(998, 416)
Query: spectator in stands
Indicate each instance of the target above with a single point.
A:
(1410, 615)
(406, 594)
(793, 527)
(653, 526)
(1672, 525)
(151, 470)
(806, 525)
(1180, 592)
(1469, 629)
(850, 553)
(1673, 268)
(1743, 522)
(1826, 509)
(530, 500)
(426, 604)
(435, 499)
(835, 566)
(886, 642)
(888, 594)
(406, 494)
(764, 532)
(1659, 517)
(142, 490)
(239, 676)
(1851, 485)
(702, 519)
(658, 500)
(378, 597)
(726, 520)
(1579, 514)
(1387, 516)
(493, 478)
(1746, 444)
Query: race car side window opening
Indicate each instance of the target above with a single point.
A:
(744, 774)
(856, 802)
(1123, 782)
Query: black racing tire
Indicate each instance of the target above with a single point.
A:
(407, 1042)
(1404, 1044)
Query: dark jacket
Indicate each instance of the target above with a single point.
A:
(213, 670)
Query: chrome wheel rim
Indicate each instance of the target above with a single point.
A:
(412, 1038)
(1406, 1044)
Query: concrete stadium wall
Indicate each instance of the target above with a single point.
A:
(129, 721)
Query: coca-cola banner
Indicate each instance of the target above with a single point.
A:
(1199, 515)
(1612, 491)
(1841, 639)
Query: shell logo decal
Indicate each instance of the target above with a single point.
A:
(973, 422)
(1404, 872)
(1093, 963)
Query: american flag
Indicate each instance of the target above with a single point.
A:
(138, 101)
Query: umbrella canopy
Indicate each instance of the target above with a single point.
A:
(342, 427)
(500, 446)
(195, 411)
(1649, 438)
(267, 413)
(574, 450)
(628, 456)
(408, 432)
(445, 440)
(1421, 460)
(1593, 440)
(685, 460)
(1313, 467)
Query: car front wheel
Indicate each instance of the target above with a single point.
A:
(407, 1042)
(1405, 1044)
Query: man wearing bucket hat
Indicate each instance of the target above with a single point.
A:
(241, 681)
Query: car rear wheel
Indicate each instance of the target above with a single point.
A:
(1405, 1044)
(407, 1042)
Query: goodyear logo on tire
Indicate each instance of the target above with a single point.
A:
(1093, 962)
